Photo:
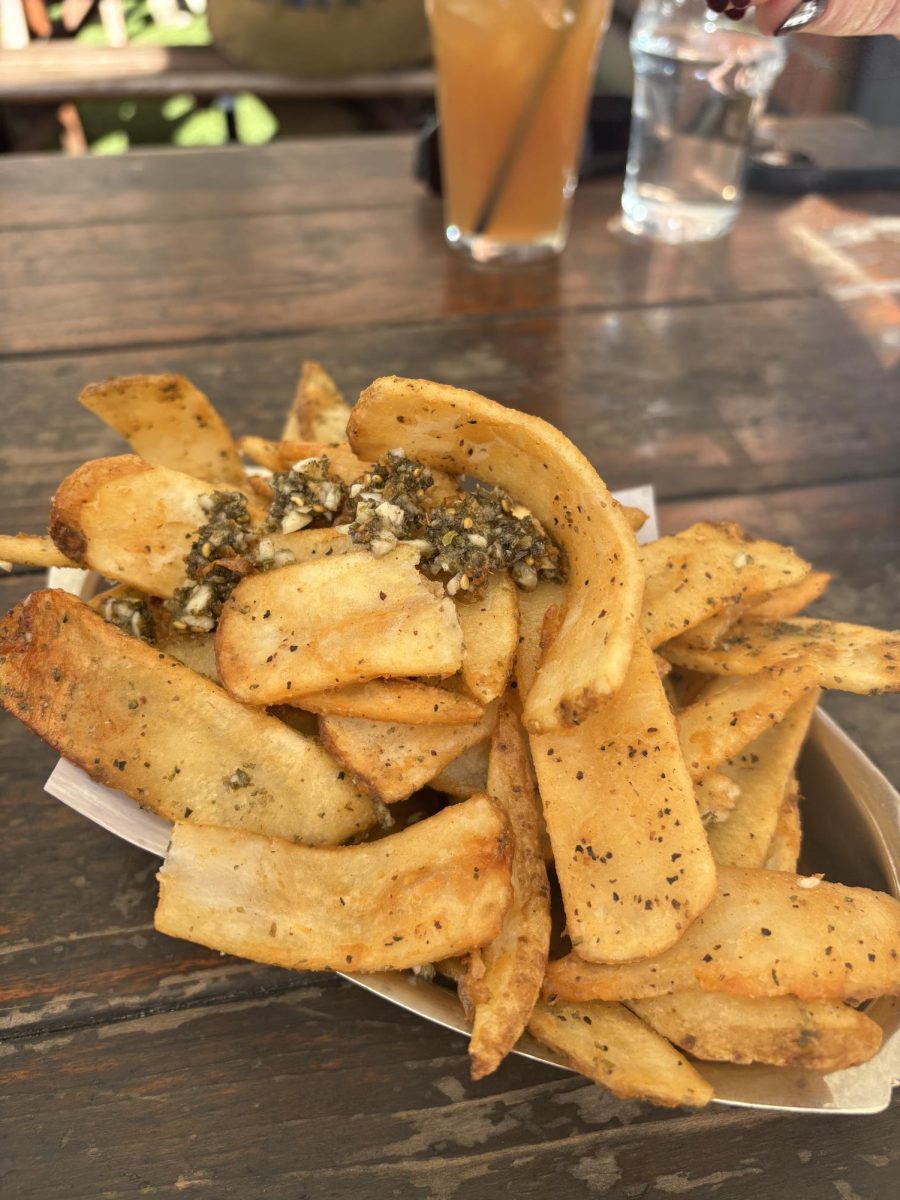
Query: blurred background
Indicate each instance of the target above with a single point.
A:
(102, 76)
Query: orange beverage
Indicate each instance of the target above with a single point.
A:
(514, 78)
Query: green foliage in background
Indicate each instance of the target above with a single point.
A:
(112, 126)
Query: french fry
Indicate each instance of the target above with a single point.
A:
(788, 601)
(768, 933)
(140, 722)
(464, 433)
(397, 700)
(280, 456)
(533, 607)
(766, 606)
(319, 411)
(851, 658)
(391, 761)
(730, 713)
(31, 550)
(783, 853)
(490, 631)
(281, 634)
(636, 517)
(503, 980)
(762, 771)
(435, 889)
(704, 570)
(779, 1030)
(169, 423)
(465, 775)
(631, 855)
(617, 1050)
(130, 521)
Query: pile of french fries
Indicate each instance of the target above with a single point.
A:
(369, 771)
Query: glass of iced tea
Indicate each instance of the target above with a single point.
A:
(514, 77)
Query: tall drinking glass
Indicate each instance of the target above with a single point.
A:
(700, 85)
(514, 78)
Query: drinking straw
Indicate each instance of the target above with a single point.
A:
(526, 116)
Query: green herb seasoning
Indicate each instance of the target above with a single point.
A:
(391, 503)
(131, 614)
(220, 556)
(305, 493)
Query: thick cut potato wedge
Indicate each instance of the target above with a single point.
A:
(850, 658)
(141, 722)
(403, 700)
(767, 933)
(783, 853)
(392, 761)
(465, 775)
(130, 521)
(323, 624)
(490, 629)
(617, 1050)
(763, 772)
(788, 601)
(169, 423)
(533, 608)
(503, 980)
(767, 606)
(437, 888)
(319, 411)
(705, 570)
(32, 550)
(631, 855)
(730, 713)
(280, 456)
(464, 433)
(779, 1030)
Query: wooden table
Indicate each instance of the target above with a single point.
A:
(134, 1065)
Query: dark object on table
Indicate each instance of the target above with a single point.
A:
(796, 155)
(604, 152)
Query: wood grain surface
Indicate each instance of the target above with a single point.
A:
(133, 1064)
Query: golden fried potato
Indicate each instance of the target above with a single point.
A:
(617, 1050)
(490, 629)
(281, 456)
(140, 722)
(780, 1030)
(850, 658)
(169, 423)
(705, 570)
(464, 433)
(730, 713)
(783, 853)
(390, 760)
(31, 550)
(319, 412)
(631, 855)
(762, 772)
(130, 521)
(768, 933)
(436, 889)
(341, 620)
(503, 980)
(397, 700)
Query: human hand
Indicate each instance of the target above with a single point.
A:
(836, 17)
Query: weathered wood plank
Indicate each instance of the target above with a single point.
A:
(183, 186)
(750, 397)
(229, 276)
(326, 1095)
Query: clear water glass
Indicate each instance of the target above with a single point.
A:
(701, 83)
